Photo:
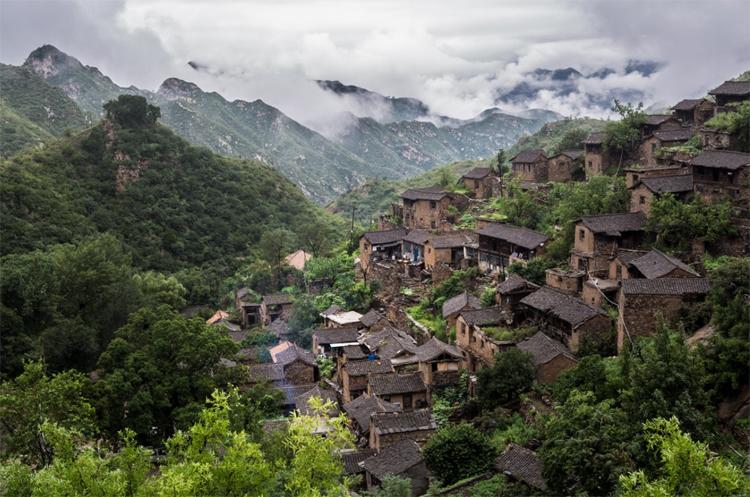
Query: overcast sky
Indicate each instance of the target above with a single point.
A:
(455, 56)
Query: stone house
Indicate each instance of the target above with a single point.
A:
(297, 363)
(453, 307)
(353, 459)
(481, 182)
(730, 92)
(360, 409)
(389, 428)
(530, 165)
(659, 122)
(619, 264)
(565, 280)
(249, 311)
(549, 357)
(650, 145)
(477, 347)
(326, 339)
(565, 317)
(595, 158)
(451, 249)
(348, 353)
(387, 342)
(522, 465)
(413, 245)
(597, 291)
(563, 166)
(430, 208)
(404, 460)
(634, 174)
(510, 292)
(354, 376)
(276, 306)
(695, 111)
(438, 362)
(407, 390)
(642, 303)
(720, 174)
(375, 246)
(597, 238)
(502, 244)
(717, 139)
(647, 190)
(656, 264)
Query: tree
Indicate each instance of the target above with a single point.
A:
(677, 223)
(623, 137)
(274, 245)
(687, 467)
(499, 162)
(521, 207)
(157, 289)
(456, 452)
(572, 139)
(302, 320)
(446, 179)
(392, 486)
(33, 398)
(534, 270)
(587, 445)
(132, 111)
(735, 122)
(589, 375)
(502, 383)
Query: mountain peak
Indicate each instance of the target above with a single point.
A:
(174, 88)
(48, 60)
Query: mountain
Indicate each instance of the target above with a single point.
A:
(32, 111)
(172, 204)
(385, 109)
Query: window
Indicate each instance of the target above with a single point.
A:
(387, 398)
(581, 235)
(635, 178)
(433, 204)
(653, 148)
(476, 183)
(407, 401)
(619, 271)
(642, 200)
(433, 224)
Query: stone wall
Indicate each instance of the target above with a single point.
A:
(383, 440)
(299, 373)
(547, 373)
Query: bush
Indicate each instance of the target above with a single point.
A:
(457, 452)
(502, 383)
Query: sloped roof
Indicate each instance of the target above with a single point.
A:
(455, 304)
(615, 224)
(327, 336)
(594, 139)
(395, 383)
(517, 235)
(297, 259)
(655, 264)
(239, 335)
(669, 184)
(688, 104)
(477, 173)
(418, 237)
(431, 193)
(739, 88)
(721, 159)
(514, 283)
(291, 392)
(354, 352)
(332, 309)
(435, 348)
(363, 368)
(627, 256)
(388, 342)
(484, 317)
(218, 316)
(302, 401)
(567, 308)
(665, 286)
(529, 155)
(230, 326)
(385, 236)
(522, 464)
(345, 318)
(674, 135)
(353, 458)
(279, 327)
(242, 292)
(370, 318)
(543, 349)
(278, 299)
(657, 119)
(361, 408)
(394, 459)
(573, 154)
(400, 422)
(451, 240)
(287, 352)
(265, 372)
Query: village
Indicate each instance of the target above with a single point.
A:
(384, 368)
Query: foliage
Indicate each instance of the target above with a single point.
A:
(505, 380)
(33, 398)
(512, 429)
(534, 270)
(458, 451)
(132, 111)
(157, 289)
(520, 207)
(592, 374)
(302, 321)
(622, 138)
(735, 122)
(326, 366)
(572, 139)
(487, 297)
(687, 467)
(392, 486)
(274, 245)
(557, 135)
(679, 223)
(499, 486)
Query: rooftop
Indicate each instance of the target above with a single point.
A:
(400, 422)
(721, 159)
(363, 368)
(394, 383)
(521, 464)
(278, 299)
(388, 342)
(303, 401)
(477, 173)
(514, 283)
(594, 139)
(738, 88)
(298, 259)
(460, 301)
(265, 372)
(385, 236)
(674, 135)
(665, 286)
(435, 348)
(484, 317)
(361, 408)
(669, 184)
(627, 255)
(370, 318)
(287, 352)
(615, 224)
(657, 119)
(688, 104)
(354, 352)
(394, 459)
(655, 264)
(353, 458)
(418, 237)
(327, 336)
(344, 318)
(517, 235)
(529, 155)
(573, 154)
(431, 193)
(567, 308)
(543, 349)
(451, 240)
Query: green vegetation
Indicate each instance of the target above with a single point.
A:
(457, 452)
(736, 122)
(503, 334)
(622, 137)
(678, 224)
(501, 384)
(554, 137)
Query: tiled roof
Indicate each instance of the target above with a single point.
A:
(477, 173)
(628, 256)
(656, 264)
(279, 327)
(333, 309)
(278, 299)
(361, 408)
(669, 184)
(298, 259)
(417, 237)
(218, 316)
(665, 286)
(354, 352)
(722, 159)
(517, 235)
(484, 317)
(265, 372)
(594, 139)
(345, 334)
(399, 422)
(291, 392)
(371, 318)
(230, 326)
(688, 104)
(529, 155)
(388, 342)
(543, 348)
(615, 224)
(385, 236)
(363, 368)
(352, 458)
(303, 401)
(455, 304)
(562, 306)
(573, 154)
(242, 292)
(740, 88)
(394, 459)
(451, 240)
(521, 464)
(288, 352)
(431, 193)
(674, 135)
(657, 119)
(435, 348)
(345, 318)
(514, 283)
(239, 336)
(394, 383)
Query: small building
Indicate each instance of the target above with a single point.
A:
(565, 280)
(597, 291)
(376, 246)
(413, 245)
(502, 244)
(461, 302)
(530, 165)
(223, 319)
(659, 122)
(389, 428)
(360, 409)
(387, 342)
(404, 460)
(656, 264)
(597, 238)
(477, 347)
(429, 208)
(276, 306)
(662, 139)
(249, 311)
(353, 459)
(407, 390)
(480, 181)
(694, 111)
(522, 465)
(298, 364)
(565, 317)
(647, 190)
(326, 339)
(730, 92)
(635, 173)
(438, 362)
(620, 263)
(642, 302)
(549, 357)
(341, 318)
(722, 174)
(510, 292)
(348, 353)
(564, 166)
(595, 158)
(297, 259)
(372, 320)
(451, 249)
(302, 401)
(354, 376)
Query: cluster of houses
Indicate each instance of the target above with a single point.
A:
(385, 376)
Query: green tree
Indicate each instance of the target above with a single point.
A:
(157, 289)
(687, 468)
(534, 270)
(132, 111)
(499, 164)
(302, 320)
(502, 383)
(589, 375)
(521, 207)
(572, 139)
(274, 245)
(677, 223)
(456, 452)
(622, 138)
(735, 122)
(392, 486)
